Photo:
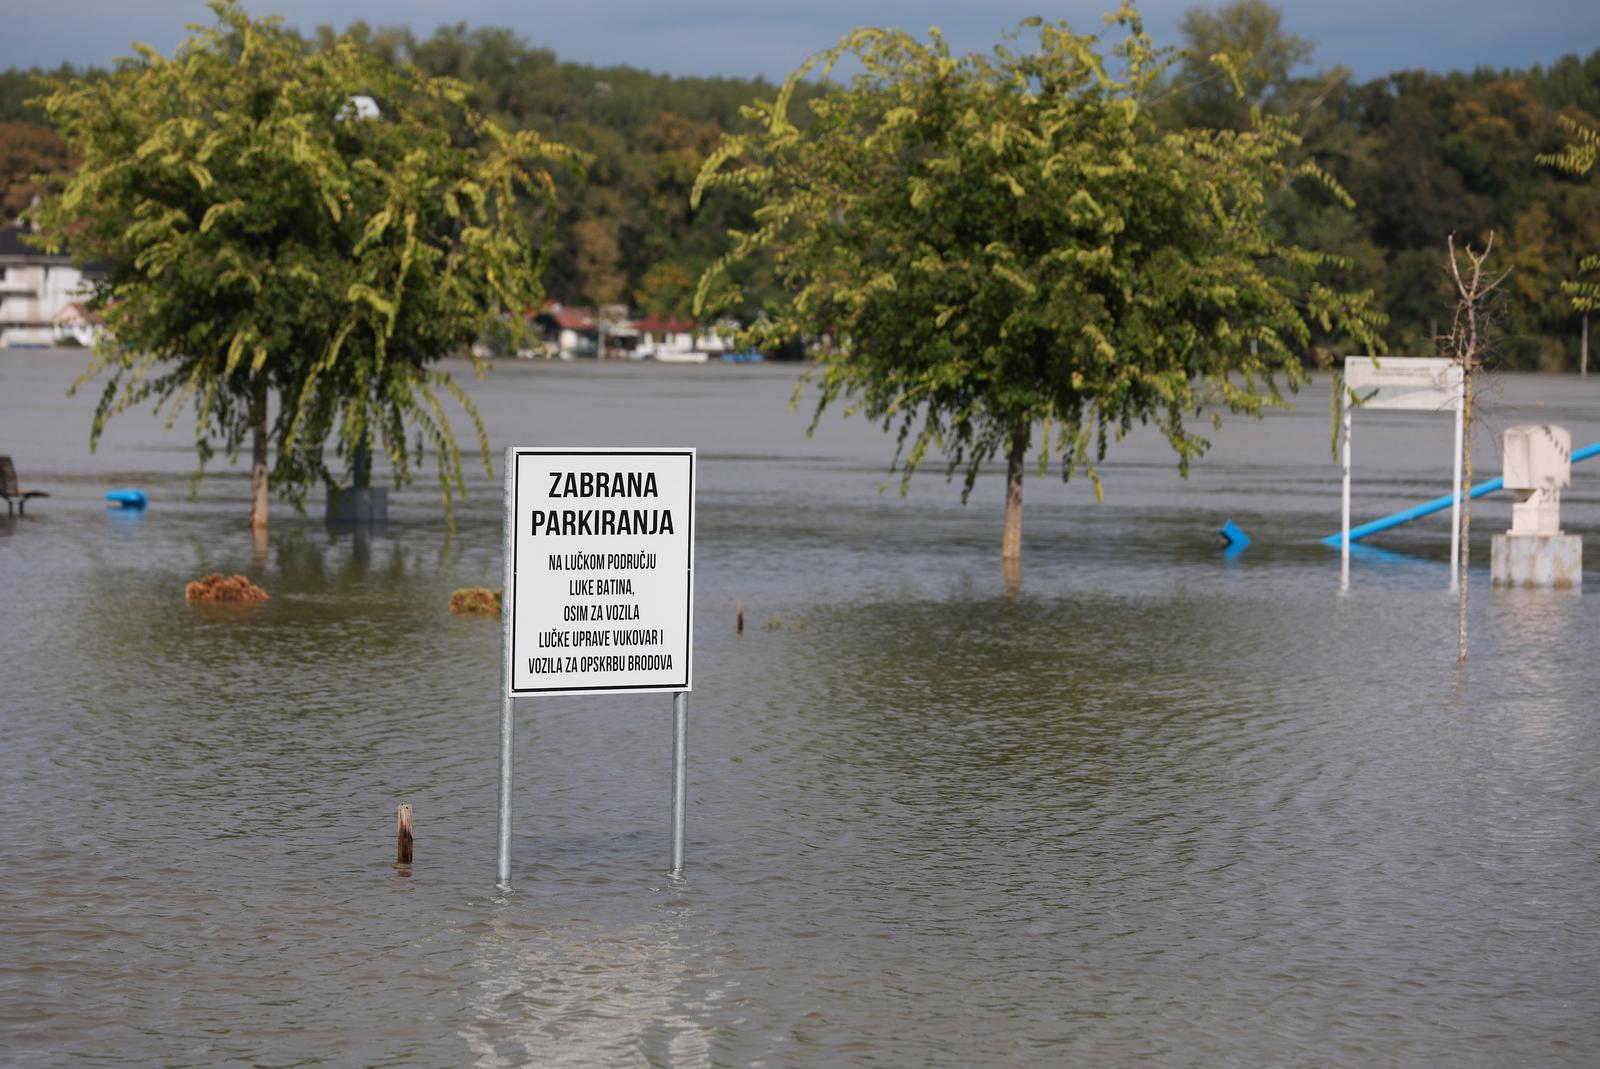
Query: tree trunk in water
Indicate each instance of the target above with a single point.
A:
(1011, 542)
(258, 459)
(362, 474)
(1472, 293)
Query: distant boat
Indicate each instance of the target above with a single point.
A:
(679, 356)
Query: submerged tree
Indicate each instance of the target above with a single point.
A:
(1469, 344)
(314, 223)
(998, 246)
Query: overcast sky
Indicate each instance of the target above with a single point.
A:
(751, 37)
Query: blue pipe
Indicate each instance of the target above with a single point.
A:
(1427, 508)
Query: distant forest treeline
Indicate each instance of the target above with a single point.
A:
(1423, 154)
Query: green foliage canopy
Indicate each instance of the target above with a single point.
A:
(26, 150)
(1423, 154)
(263, 234)
(1578, 158)
(1240, 44)
(626, 228)
(994, 243)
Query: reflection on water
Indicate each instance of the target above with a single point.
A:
(586, 994)
(1139, 803)
(1377, 555)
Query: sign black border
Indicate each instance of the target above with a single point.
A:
(517, 453)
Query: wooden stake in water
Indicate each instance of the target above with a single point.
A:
(738, 617)
(403, 835)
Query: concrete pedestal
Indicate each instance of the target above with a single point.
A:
(358, 508)
(1532, 561)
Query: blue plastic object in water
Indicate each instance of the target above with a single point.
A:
(1235, 535)
(128, 498)
(1427, 508)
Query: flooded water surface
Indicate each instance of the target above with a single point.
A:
(1158, 806)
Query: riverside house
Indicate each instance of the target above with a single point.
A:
(41, 295)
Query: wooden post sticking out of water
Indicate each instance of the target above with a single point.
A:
(403, 836)
(738, 617)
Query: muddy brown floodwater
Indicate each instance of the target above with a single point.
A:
(1161, 808)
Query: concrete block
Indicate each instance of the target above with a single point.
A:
(1538, 463)
(1538, 456)
(1552, 562)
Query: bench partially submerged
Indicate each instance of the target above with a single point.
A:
(11, 492)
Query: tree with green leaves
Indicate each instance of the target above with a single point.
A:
(994, 247)
(311, 223)
(1236, 56)
(1578, 158)
(26, 151)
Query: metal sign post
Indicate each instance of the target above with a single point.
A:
(1344, 543)
(507, 585)
(1455, 483)
(599, 591)
(1414, 383)
(680, 775)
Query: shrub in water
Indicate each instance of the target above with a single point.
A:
(219, 587)
(475, 601)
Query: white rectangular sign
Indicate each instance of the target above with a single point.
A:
(601, 598)
(1425, 383)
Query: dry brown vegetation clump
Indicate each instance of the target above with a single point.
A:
(219, 587)
(475, 601)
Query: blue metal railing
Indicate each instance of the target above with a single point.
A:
(1427, 508)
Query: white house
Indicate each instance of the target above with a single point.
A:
(568, 332)
(670, 334)
(77, 325)
(38, 289)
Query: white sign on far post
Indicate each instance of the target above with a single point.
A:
(1409, 383)
(599, 590)
(1417, 383)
